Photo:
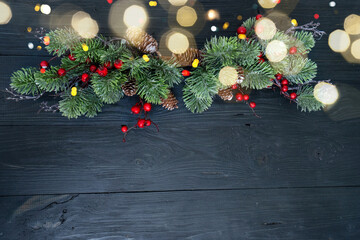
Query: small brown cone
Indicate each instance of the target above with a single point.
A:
(170, 103)
(141, 40)
(226, 94)
(129, 88)
(241, 75)
(187, 58)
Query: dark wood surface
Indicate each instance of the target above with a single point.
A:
(224, 174)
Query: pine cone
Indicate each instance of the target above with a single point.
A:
(226, 94)
(241, 75)
(187, 58)
(129, 88)
(170, 103)
(141, 40)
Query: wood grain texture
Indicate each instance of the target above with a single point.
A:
(195, 215)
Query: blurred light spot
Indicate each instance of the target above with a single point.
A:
(29, 29)
(37, 7)
(30, 45)
(84, 25)
(46, 40)
(213, 28)
(326, 93)
(316, 16)
(355, 49)
(186, 16)
(153, 3)
(280, 19)
(276, 51)
(228, 76)
(226, 25)
(239, 17)
(332, 4)
(267, 3)
(5, 13)
(339, 41)
(352, 24)
(177, 2)
(213, 14)
(177, 42)
(265, 28)
(45, 9)
(38, 48)
(294, 22)
(135, 16)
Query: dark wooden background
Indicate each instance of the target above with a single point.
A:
(224, 174)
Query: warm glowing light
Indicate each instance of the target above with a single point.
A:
(239, 17)
(339, 41)
(135, 16)
(326, 93)
(39, 48)
(352, 24)
(355, 49)
(213, 28)
(177, 2)
(265, 28)
(213, 14)
(268, 3)
(228, 76)
(46, 40)
(186, 16)
(332, 4)
(37, 7)
(84, 25)
(45, 9)
(226, 25)
(5, 13)
(177, 43)
(30, 45)
(276, 51)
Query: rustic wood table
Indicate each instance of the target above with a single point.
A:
(223, 174)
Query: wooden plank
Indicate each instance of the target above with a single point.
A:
(197, 155)
(206, 215)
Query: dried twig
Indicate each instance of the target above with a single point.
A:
(46, 108)
(19, 97)
(311, 27)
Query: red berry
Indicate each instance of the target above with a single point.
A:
(43, 70)
(285, 88)
(61, 72)
(258, 16)
(239, 97)
(71, 57)
(235, 86)
(102, 71)
(241, 30)
(147, 122)
(141, 123)
(85, 77)
(272, 79)
(44, 64)
(261, 60)
(252, 104)
(293, 95)
(185, 73)
(293, 50)
(278, 76)
(118, 64)
(316, 16)
(124, 128)
(246, 97)
(93, 68)
(147, 107)
(261, 55)
(135, 109)
(284, 82)
(108, 65)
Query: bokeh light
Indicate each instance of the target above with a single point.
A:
(265, 28)
(37, 7)
(84, 25)
(268, 3)
(326, 93)
(186, 16)
(339, 41)
(352, 24)
(178, 2)
(30, 45)
(280, 19)
(5, 13)
(228, 76)
(212, 15)
(135, 16)
(213, 28)
(45, 9)
(276, 51)
(177, 42)
(332, 4)
(226, 25)
(355, 49)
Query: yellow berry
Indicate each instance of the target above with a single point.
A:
(155, 3)
(85, 47)
(195, 63)
(73, 91)
(146, 58)
(242, 36)
(294, 22)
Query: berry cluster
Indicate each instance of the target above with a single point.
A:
(240, 96)
(283, 84)
(142, 122)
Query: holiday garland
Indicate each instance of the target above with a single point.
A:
(99, 71)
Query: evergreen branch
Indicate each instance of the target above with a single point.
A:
(306, 100)
(23, 81)
(258, 76)
(152, 88)
(50, 81)
(305, 39)
(108, 88)
(168, 70)
(115, 51)
(62, 40)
